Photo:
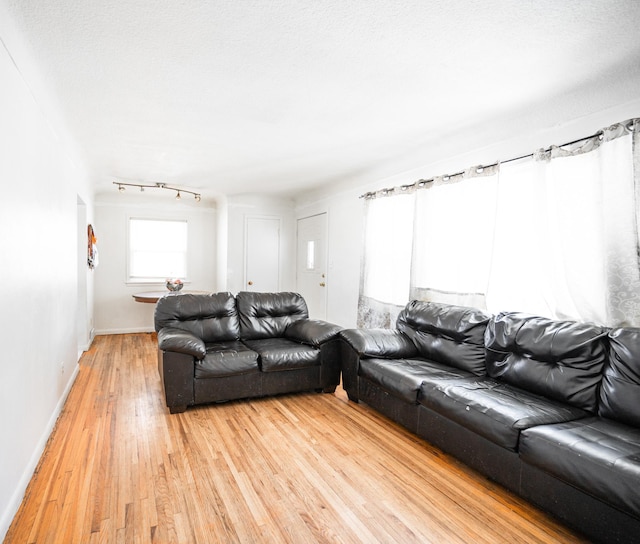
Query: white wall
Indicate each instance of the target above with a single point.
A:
(346, 210)
(115, 309)
(41, 182)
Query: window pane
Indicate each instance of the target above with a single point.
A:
(157, 249)
(311, 254)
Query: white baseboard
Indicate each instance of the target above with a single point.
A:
(18, 494)
(132, 330)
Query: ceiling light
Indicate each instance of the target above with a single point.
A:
(121, 187)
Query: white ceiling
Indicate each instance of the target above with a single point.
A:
(276, 96)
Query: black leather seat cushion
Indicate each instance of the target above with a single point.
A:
(495, 410)
(283, 354)
(226, 359)
(404, 377)
(596, 455)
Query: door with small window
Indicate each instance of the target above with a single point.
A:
(311, 268)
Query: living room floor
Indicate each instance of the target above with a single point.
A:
(294, 468)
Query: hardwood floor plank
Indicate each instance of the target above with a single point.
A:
(293, 468)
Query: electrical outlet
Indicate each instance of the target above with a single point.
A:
(62, 368)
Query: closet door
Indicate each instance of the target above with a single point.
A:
(262, 254)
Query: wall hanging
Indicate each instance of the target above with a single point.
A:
(92, 248)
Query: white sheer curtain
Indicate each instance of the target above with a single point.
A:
(556, 234)
(386, 269)
(519, 278)
(454, 225)
(568, 222)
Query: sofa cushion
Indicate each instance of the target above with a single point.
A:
(267, 315)
(560, 360)
(494, 410)
(599, 456)
(226, 359)
(620, 390)
(211, 317)
(283, 354)
(453, 335)
(403, 378)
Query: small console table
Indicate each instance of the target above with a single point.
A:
(153, 296)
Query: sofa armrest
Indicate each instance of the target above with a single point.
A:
(181, 341)
(311, 331)
(358, 344)
(176, 373)
(385, 343)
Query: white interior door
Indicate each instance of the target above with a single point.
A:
(311, 265)
(262, 254)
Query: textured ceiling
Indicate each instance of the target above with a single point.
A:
(275, 96)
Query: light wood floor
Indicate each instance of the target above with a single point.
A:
(297, 468)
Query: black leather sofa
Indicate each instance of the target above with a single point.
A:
(549, 409)
(218, 347)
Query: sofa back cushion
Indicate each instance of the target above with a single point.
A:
(211, 317)
(620, 390)
(452, 335)
(561, 360)
(267, 315)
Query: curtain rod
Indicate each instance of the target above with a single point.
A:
(423, 182)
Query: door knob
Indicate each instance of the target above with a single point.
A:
(322, 284)
(250, 283)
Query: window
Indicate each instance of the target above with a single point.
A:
(157, 249)
(311, 255)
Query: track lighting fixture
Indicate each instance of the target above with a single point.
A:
(122, 186)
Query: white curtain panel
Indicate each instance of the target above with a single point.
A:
(386, 267)
(566, 240)
(388, 241)
(454, 229)
(556, 234)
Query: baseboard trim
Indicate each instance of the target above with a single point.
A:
(18, 494)
(133, 330)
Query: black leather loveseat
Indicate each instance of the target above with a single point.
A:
(218, 347)
(549, 409)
